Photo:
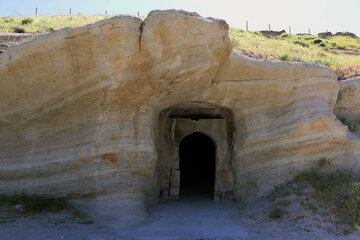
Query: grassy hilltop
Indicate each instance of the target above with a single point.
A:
(286, 47)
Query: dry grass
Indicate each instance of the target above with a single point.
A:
(44, 24)
(294, 48)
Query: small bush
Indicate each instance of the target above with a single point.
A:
(317, 41)
(322, 162)
(347, 231)
(333, 44)
(285, 203)
(353, 125)
(276, 213)
(303, 44)
(19, 30)
(285, 35)
(284, 57)
(26, 21)
(322, 45)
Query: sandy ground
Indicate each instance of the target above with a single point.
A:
(193, 218)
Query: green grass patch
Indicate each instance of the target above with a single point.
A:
(339, 189)
(44, 24)
(35, 203)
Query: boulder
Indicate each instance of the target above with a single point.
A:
(272, 33)
(346, 34)
(325, 35)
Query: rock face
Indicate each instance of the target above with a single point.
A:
(348, 104)
(325, 35)
(96, 114)
(344, 34)
(268, 33)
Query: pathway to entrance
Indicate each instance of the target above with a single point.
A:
(191, 218)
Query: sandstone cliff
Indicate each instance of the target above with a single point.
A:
(79, 110)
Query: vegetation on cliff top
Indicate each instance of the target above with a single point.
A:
(286, 47)
(306, 48)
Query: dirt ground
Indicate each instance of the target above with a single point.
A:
(301, 217)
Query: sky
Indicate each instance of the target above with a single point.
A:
(318, 15)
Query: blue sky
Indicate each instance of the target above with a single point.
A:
(318, 15)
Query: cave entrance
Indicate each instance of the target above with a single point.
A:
(197, 154)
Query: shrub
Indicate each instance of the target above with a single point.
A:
(322, 162)
(303, 44)
(317, 41)
(276, 213)
(284, 57)
(19, 30)
(333, 44)
(353, 125)
(322, 44)
(285, 35)
(27, 21)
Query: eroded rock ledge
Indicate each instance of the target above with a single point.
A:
(79, 111)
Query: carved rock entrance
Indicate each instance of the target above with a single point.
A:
(177, 126)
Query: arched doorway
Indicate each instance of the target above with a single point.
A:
(197, 166)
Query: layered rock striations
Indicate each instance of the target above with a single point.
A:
(348, 103)
(79, 110)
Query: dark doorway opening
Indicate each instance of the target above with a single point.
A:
(197, 166)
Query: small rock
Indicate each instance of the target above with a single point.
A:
(18, 207)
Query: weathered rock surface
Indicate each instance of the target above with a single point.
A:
(344, 34)
(79, 111)
(348, 104)
(270, 33)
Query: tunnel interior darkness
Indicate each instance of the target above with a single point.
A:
(197, 166)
